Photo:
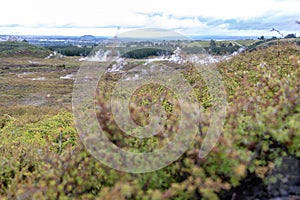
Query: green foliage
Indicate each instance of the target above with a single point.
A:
(262, 125)
(71, 50)
(291, 35)
(22, 49)
(222, 49)
(145, 53)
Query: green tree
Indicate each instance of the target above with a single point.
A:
(291, 35)
(212, 44)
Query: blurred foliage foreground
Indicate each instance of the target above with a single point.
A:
(262, 126)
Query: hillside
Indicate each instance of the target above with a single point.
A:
(22, 49)
(273, 41)
(261, 132)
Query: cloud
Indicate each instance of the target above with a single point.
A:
(193, 17)
(171, 22)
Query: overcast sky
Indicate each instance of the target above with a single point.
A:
(189, 17)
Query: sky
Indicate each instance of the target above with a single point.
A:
(188, 17)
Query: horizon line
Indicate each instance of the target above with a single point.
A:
(111, 37)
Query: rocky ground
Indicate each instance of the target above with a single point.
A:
(286, 186)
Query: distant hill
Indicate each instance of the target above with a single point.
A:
(87, 37)
(22, 49)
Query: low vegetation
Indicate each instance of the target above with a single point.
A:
(262, 126)
(22, 49)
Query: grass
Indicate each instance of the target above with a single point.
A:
(35, 81)
(206, 43)
(245, 42)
